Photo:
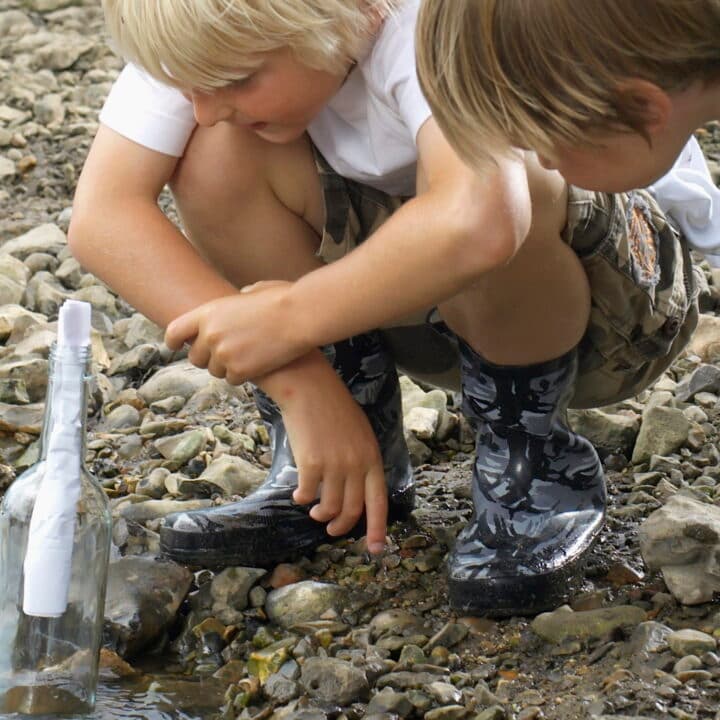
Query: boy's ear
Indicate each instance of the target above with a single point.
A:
(646, 101)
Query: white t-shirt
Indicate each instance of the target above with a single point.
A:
(366, 132)
(691, 199)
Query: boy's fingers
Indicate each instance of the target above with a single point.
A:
(331, 499)
(376, 509)
(352, 507)
(199, 355)
(307, 488)
(180, 330)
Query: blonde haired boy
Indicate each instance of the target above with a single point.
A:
(321, 202)
(607, 92)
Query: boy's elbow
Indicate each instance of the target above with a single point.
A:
(485, 246)
(79, 235)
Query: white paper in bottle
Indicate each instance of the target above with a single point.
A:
(48, 560)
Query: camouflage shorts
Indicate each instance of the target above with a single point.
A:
(643, 284)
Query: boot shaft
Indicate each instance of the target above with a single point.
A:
(531, 399)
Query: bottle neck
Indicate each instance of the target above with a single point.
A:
(66, 401)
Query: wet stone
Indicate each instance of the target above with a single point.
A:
(333, 680)
(691, 642)
(388, 701)
(303, 601)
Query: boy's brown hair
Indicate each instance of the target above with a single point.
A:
(533, 73)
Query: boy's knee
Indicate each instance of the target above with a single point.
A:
(221, 163)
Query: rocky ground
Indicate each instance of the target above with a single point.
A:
(337, 635)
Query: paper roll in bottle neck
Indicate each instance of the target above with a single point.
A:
(74, 324)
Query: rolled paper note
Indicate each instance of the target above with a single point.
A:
(48, 560)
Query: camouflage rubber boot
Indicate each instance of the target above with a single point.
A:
(268, 527)
(538, 491)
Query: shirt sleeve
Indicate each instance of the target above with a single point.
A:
(692, 201)
(401, 75)
(149, 113)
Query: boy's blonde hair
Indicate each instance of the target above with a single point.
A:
(534, 73)
(206, 44)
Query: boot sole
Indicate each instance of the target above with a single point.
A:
(257, 543)
(519, 595)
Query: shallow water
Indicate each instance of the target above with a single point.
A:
(149, 697)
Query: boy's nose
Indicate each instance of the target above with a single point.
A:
(209, 108)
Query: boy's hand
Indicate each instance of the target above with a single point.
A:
(334, 446)
(242, 336)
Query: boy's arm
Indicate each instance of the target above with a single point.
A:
(460, 225)
(119, 233)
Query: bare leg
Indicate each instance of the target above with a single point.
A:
(254, 209)
(537, 306)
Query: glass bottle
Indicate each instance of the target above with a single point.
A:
(49, 665)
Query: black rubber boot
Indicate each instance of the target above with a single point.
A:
(538, 491)
(268, 527)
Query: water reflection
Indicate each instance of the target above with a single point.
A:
(150, 697)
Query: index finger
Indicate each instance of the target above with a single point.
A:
(376, 509)
(182, 329)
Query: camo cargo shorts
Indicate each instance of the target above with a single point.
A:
(643, 284)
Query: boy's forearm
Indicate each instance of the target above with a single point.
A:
(142, 256)
(421, 256)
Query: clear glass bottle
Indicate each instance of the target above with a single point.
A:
(49, 665)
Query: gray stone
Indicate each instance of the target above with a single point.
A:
(141, 357)
(681, 539)
(610, 432)
(25, 418)
(143, 597)
(335, 681)
(691, 642)
(15, 22)
(422, 422)
(449, 712)
(389, 701)
(33, 373)
(564, 624)
(154, 484)
(45, 6)
(141, 331)
(178, 449)
(231, 475)
(169, 405)
(180, 378)
(50, 110)
(45, 294)
(279, 689)
(649, 637)
(395, 622)
(302, 602)
(705, 378)
(663, 431)
(44, 238)
(13, 391)
(229, 591)
(123, 416)
(13, 315)
(99, 297)
(69, 273)
(7, 168)
(143, 512)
